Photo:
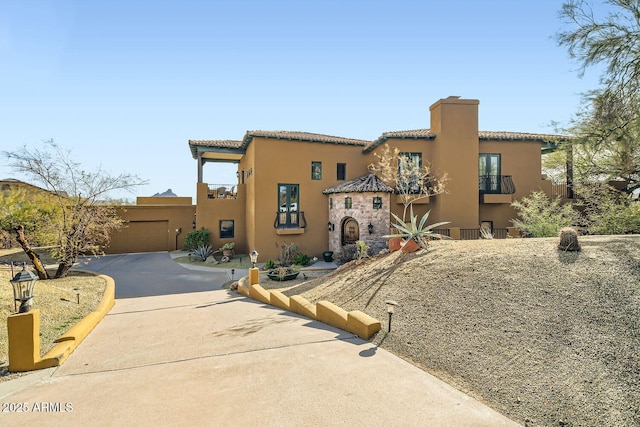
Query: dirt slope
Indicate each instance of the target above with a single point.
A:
(545, 337)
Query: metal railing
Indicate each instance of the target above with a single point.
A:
(474, 233)
(562, 191)
(496, 184)
(290, 219)
(222, 191)
(442, 231)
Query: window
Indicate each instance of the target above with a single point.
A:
(226, 229)
(377, 203)
(489, 173)
(288, 203)
(330, 202)
(410, 171)
(342, 171)
(347, 202)
(316, 170)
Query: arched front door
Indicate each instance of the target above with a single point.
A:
(350, 231)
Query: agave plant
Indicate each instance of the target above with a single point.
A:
(202, 253)
(420, 232)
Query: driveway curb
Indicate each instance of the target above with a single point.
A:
(69, 341)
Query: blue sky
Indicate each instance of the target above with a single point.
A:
(126, 84)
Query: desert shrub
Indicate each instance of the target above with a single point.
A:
(196, 238)
(486, 234)
(541, 217)
(269, 264)
(569, 240)
(607, 210)
(287, 252)
(362, 250)
(301, 259)
(347, 254)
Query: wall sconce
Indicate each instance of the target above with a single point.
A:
(23, 284)
(330, 226)
(391, 307)
(178, 230)
(193, 224)
(370, 227)
(254, 257)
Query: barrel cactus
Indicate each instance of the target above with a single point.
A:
(569, 239)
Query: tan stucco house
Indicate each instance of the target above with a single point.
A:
(316, 190)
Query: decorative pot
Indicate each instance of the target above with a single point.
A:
(281, 278)
(410, 246)
(327, 256)
(395, 243)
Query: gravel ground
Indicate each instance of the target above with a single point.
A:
(548, 338)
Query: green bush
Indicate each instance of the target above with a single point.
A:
(301, 259)
(270, 264)
(607, 210)
(362, 250)
(541, 217)
(196, 238)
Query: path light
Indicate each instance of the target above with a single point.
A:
(23, 284)
(233, 271)
(254, 257)
(391, 307)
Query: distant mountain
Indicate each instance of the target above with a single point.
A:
(167, 193)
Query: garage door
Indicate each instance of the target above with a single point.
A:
(140, 236)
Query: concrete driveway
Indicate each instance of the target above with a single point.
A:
(216, 358)
(151, 274)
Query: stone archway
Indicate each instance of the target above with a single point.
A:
(349, 231)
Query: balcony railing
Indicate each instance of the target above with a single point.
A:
(222, 191)
(496, 184)
(290, 219)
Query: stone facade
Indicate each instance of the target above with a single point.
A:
(363, 212)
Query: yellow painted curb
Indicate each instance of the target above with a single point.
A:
(356, 322)
(67, 342)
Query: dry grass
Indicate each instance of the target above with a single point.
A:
(546, 337)
(57, 301)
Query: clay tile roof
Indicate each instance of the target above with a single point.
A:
(214, 143)
(221, 143)
(367, 184)
(301, 136)
(519, 136)
(400, 134)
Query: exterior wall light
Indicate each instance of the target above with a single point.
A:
(254, 257)
(391, 308)
(370, 227)
(193, 224)
(23, 284)
(330, 226)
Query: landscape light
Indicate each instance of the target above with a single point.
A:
(23, 284)
(254, 257)
(391, 308)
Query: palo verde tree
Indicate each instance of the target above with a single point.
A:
(606, 143)
(84, 216)
(411, 179)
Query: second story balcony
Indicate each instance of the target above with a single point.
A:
(222, 191)
(496, 188)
